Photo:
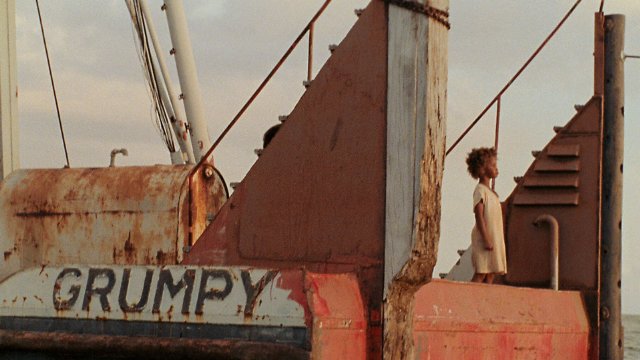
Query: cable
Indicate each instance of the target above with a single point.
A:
(161, 121)
(53, 85)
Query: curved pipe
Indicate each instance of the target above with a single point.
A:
(555, 246)
(115, 152)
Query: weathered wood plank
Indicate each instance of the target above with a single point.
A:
(402, 139)
(416, 103)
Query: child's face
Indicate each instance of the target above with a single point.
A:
(491, 168)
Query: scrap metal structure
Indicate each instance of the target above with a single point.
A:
(325, 249)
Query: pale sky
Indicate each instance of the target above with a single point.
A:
(104, 102)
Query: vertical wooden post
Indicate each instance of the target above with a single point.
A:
(416, 117)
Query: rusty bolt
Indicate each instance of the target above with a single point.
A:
(172, 51)
(208, 171)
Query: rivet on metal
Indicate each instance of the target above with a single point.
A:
(208, 171)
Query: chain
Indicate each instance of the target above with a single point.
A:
(438, 15)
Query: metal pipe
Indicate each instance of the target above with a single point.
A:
(115, 152)
(188, 76)
(176, 111)
(310, 55)
(9, 149)
(555, 247)
(497, 137)
(611, 339)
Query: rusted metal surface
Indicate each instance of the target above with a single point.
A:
(339, 325)
(316, 195)
(571, 195)
(611, 336)
(315, 198)
(167, 294)
(118, 215)
(475, 321)
(195, 230)
(75, 346)
(192, 311)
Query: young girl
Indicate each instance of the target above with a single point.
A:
(487, 238)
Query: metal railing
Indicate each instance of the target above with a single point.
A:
(497, 98)
(309, 28)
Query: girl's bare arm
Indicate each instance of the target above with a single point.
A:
(482, 226)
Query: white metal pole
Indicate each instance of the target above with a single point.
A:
(9, 160)
(175, 155)
(188, 75)
(176, 111)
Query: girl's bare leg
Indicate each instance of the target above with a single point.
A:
(477, 277)
(489, 278)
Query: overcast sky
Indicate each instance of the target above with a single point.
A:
(104, 102)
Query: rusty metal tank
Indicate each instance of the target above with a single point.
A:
(145, 215)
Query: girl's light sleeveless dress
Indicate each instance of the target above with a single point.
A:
(485, 261)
